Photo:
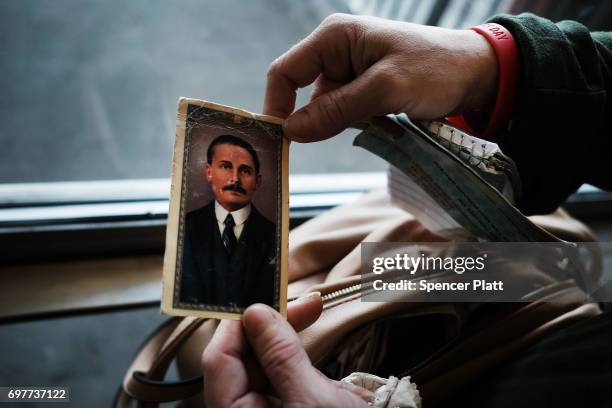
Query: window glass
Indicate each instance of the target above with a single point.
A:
(90, 87)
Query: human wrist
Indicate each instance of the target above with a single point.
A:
(481, 66)
(506, 53)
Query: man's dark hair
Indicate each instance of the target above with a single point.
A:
(233, 140)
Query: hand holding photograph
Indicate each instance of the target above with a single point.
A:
(226, 241)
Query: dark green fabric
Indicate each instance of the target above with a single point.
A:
(559, 136)
(570, 368)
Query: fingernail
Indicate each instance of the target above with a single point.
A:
(256, 319)
(307, 297)
(262, 311)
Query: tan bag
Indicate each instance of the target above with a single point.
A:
(442, 346)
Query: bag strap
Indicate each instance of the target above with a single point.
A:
(144, 378)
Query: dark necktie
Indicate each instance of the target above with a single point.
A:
(229, 239)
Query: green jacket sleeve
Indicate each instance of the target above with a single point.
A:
(559, 136)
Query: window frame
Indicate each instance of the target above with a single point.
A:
(73, 220)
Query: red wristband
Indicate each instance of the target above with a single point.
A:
(507, 54)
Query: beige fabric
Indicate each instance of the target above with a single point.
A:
(329, 242)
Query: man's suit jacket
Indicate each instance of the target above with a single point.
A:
(206, 267)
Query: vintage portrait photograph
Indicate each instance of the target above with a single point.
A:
(226, 239)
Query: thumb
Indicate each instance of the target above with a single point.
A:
(287, 366)
(280, 353)
(333, 111)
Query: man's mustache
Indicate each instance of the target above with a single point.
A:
(234, 187)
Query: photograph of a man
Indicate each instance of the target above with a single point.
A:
(229, 247)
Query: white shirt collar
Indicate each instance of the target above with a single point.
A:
(240, 216)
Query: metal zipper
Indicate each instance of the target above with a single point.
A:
(338, 295)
